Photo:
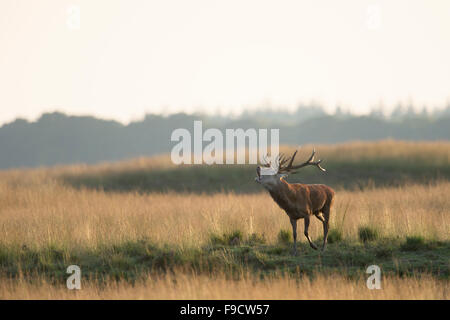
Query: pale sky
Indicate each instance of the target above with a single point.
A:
(128, 58)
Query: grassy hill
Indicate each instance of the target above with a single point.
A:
(355, 165)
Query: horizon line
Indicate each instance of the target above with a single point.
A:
(237, 115)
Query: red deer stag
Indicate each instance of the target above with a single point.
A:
(299, 201)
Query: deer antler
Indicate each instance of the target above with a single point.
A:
(289, 167)
(282, 160)
(266, 163)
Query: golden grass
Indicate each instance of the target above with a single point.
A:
(36, 212)
(189, 286)
(428, 152)
(437, 152)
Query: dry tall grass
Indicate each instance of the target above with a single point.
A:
(36, 212)
(188, 286)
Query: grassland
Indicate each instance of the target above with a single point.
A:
(353, 166)
(147, 229)
(190, 286)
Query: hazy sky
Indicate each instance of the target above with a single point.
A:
(126, 58)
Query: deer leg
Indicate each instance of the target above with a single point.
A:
(319, 216)
(307, 235)
(294, 234)
(326, 213)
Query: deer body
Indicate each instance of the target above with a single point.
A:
(302, 200)
(299, 201)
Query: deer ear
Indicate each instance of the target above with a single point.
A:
(283, 175)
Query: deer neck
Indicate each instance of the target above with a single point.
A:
(280, 186)
(281, 193)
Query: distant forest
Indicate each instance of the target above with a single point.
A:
(56, 138)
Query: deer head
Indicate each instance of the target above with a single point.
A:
(270, 173)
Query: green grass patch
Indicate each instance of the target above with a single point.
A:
(233, 238)
(236, 238)
(334, 236)
(256, 238)
(414, 243)
(285, 237)
(133, 260)
(366, 234)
